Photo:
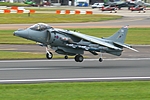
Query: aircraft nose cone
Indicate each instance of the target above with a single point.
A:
(21, 33)
(14, 34)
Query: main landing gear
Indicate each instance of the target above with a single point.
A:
(78, 58)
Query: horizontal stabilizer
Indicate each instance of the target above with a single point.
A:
(126, 46)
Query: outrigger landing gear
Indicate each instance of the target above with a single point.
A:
(100, 59)
(78, 58)
(66, 57)
(49, 55)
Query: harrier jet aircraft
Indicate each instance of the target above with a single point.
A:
(73, 43)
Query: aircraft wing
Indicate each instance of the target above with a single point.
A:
(126, 46)
(90, 39)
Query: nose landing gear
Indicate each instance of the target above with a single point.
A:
(49, 55)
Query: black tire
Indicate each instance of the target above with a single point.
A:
(100, 59)
(76, 58)
(66, 57)
(49, 55)
(79, 58)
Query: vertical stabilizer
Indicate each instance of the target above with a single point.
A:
(120, 35)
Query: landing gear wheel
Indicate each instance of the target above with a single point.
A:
(78, 58)
(66, 57)
(100, 59)
(49, 55)
(75, 58)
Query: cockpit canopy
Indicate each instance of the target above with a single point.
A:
(40, 27)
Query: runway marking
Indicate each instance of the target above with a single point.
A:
(55, 60)
(74, 79)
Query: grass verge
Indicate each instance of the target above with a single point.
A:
(14, 55)
(20, 55)
(13, 4)
(133, 90)
(52, 18)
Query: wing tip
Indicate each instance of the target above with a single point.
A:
(134, 50)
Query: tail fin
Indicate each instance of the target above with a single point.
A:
(120, 35)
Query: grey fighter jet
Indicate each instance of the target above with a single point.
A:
(73, 43)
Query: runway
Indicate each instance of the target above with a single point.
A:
(30, 71)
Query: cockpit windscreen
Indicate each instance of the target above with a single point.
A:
(40, 27)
